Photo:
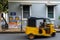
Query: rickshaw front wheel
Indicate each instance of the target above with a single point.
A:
(53, 34)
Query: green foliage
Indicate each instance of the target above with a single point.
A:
(3, 5)
(59, 17)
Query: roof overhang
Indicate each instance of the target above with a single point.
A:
(51, 4)
(25, 3)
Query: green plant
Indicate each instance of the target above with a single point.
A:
(59, 27)
(59, 17)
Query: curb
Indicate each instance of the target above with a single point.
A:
(57, 30)
(10, 32)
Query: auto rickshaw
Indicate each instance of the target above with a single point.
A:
(44, 29)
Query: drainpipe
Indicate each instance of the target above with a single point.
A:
(21, 22)
(21, 16)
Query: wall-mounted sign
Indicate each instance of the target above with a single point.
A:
(13, 13)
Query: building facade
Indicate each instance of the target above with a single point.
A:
(35, 8)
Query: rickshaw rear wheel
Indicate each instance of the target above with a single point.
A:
(31, 36)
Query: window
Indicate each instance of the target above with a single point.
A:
(26, 11)
(50, 13)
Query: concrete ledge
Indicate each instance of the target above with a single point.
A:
(57, 30)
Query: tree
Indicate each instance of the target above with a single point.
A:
(3, 5)
(4, 8)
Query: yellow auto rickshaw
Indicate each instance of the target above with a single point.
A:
(45, 28)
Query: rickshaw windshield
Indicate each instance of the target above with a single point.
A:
(48, 21)
(39, 22)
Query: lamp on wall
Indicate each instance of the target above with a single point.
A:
(21, 6)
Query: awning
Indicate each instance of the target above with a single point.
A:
(25, 3)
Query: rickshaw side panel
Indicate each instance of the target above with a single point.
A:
(31, 30)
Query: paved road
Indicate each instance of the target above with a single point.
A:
(20, 36)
